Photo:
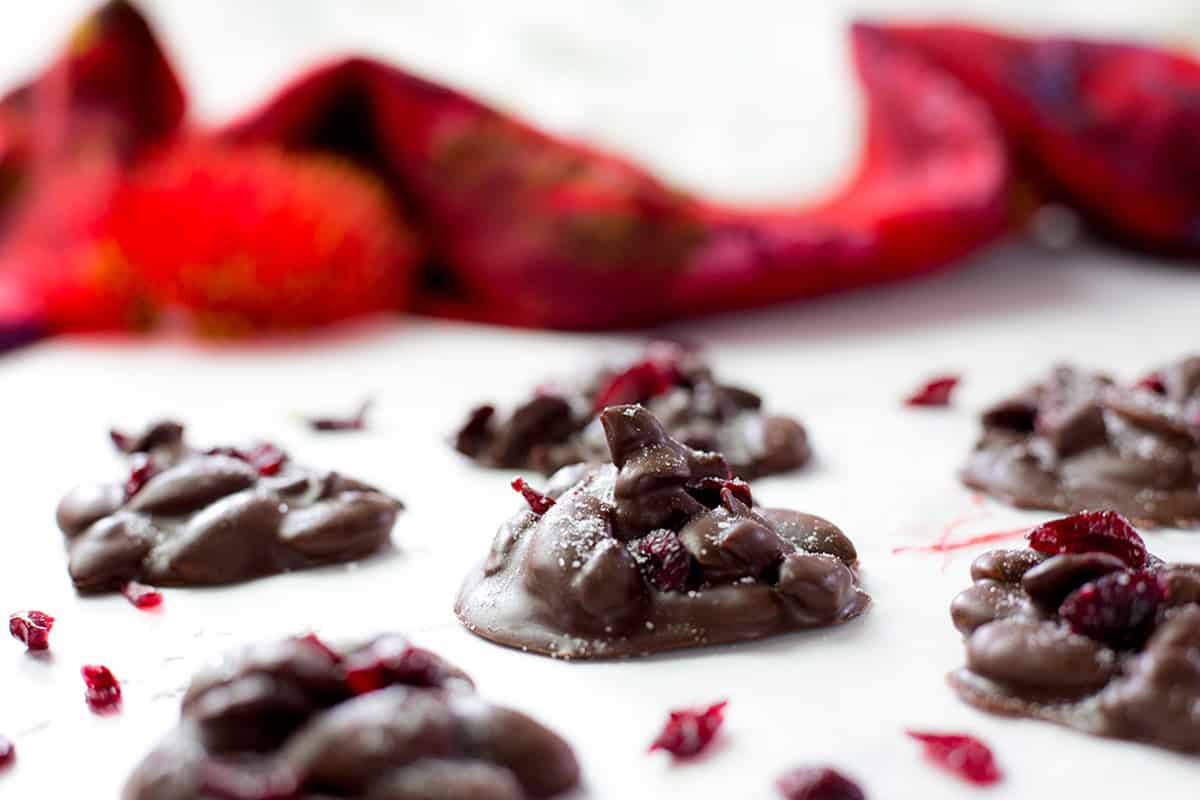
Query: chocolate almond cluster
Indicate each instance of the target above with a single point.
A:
(660, 549)
(380, 720)
(1080, 440)
(559, 425)
(1087, 629)
(189, 517)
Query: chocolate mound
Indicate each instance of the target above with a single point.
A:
(558, 426)
(1084, 640)
(661, 549)
(379, 721)
(1079, 440)
(189, 517)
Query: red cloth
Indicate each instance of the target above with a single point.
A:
(361, 187)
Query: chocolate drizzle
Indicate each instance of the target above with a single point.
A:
(586, 578)
(1079, 440)
(187, 517)
(558, 426)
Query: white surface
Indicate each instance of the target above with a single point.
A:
(705, 98)
(885, 473)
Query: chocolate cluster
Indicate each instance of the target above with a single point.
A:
(559, 424)
(183, 516)
(660, 549)
(1080, 440)
(380, 720)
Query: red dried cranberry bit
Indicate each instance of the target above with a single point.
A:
(961, 754)
(8, 752)
(936, 392)
(1152, 383)
(538, 502)
(355, 422)
(1118, 609)
(121, 441)
(142, 469)
(663, 559)
(229, 782)
(103, 692)
(31, 628)
(264, 457)
(689, 732)
(142, 596)
(1091, 532)
(391, 662)
(818, 783)
(313, 640)
(640, 382)
(708, 490)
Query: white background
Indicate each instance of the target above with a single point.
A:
(749, 101)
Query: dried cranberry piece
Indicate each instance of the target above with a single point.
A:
(961, 754)
(313, 640)
(936, 392)
(8, 753)
(103, 692)
(537, 501)
(708, 490)
(1090, 532)
(391, 661)
(818, 783)
(121, 441)
(641, 381)
(229, 782)
(355, 422)
(689, 731)
(663, 559)
(141, 595)
(1152, 383)
(31, 628)
(142, 469)
(1118, 609)
(264, 456)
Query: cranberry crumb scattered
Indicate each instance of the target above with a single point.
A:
(818, 783)
(142, 596)
(103, 693)
(663, 560)
(264, 457)
(32, 628)
(392, 661)
(8, 753)
(689, 731)
(1152, 383)
(229, 782)
(961, 754)
(1091, 532)
(315, 641)
(1118, 609)
(355, 422)
(641, 381)
(142, 469)
(538, 502)
(936, 392)
(708, 490)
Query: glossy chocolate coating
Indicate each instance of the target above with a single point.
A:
(559, 426)
(1023, 659)
(286, 715)
(1078, 441)
(210, 517)
(573, 583)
